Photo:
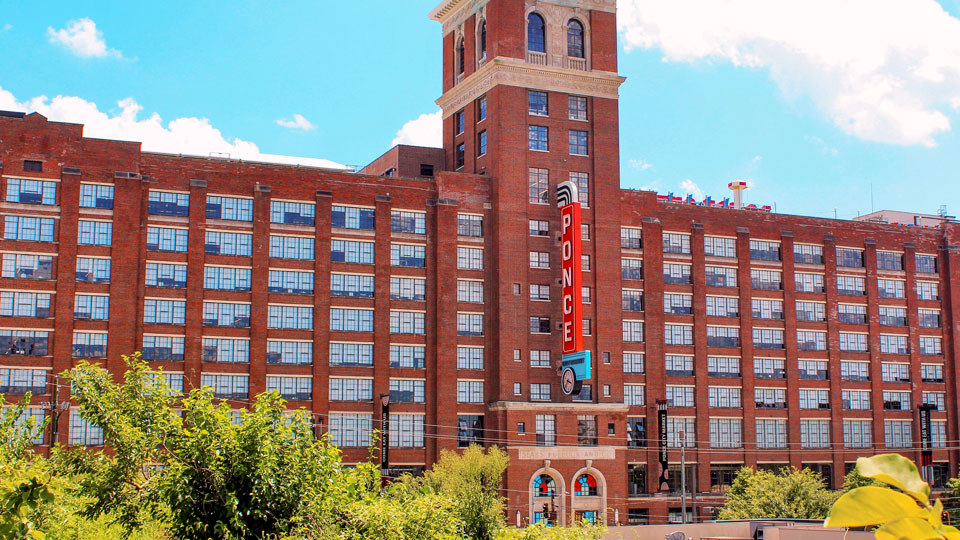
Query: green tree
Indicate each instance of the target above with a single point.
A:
(790, 493)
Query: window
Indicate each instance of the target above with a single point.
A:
(767, 309)
(931, 373)
(637, 485)
(633, 331)
(539, 392)
(24, 342)
(539, 192)
(469, 324)
(352, 217)
(26, 266)
(936, 399)
(409, 222)
(461, 58)
(926, 264)
(460, 155)
(21, 381)
(811, 311)
(855, 400)
(719, 246)
(723, 366)
(539, 325)
(166, 239)
(349, 354)
(679, 304)
(852, 313)
(482, 102)
(538, 138)
(636, 432)
(472, 357)
(808, 253)
(291, 388)
(406, 390)
(723, 306)
(539, 292)
(771, 433)
(676, 243)
(723, 336)
(539, 259)
(469, 258)
(811, 283)
(228, 243)
(34, 229)
(631, 268)
(163, 348)
(227, 386)
(724, 397)
(537, 103)
(84, 432)
(679, 396)
(578, 143)
(678, 365)
(928, 318)
(89, 345)
(724, 433)
(225, 278)
(632, 300)
(292, 317)
(87, 307)
(813, 370)
(893, 344)
(896, 401)
(290, 282)
(469, 430)
(30, 165)
(350, 251)
(546, 430)
(857, 434)
(226, 314)
(26, 304)
(31, 191)
(482, 143)
(536, 34)
(470, 225)
(678, 274)
(409, 255)
(678, 334)
(586, 436)
(292, 213)
(768, 338)
(157, 274)
(352, 285)
(766, 280)
(897, 433)
(630, 238)
(810, 340)
(849, 257)
(632, 362)
(402, 288)
(634, 394)
(676, 424)
(938, 439)
(347, 389)
(575, 39)
(890, 288)
(764, 250)
(460, 120)
(577, 107)
(294, 352)
(814, 433)
(407, 322)
(426, 169)
(721, 276)
(889, 260)
(582, 180)
(469, 391)
(162, 203)
(226, 350)
(351, 320)
(893, 316)
(769, 368)
(229, 208)
(158, 311)
(851, 342)
(350, 430)
(931, 345)
(96, 196)
(585, 263)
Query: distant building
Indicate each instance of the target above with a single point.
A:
(898, 217)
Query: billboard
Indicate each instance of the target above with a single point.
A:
(576, 362)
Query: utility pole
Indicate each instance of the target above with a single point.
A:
(54, 410)
(683, 476)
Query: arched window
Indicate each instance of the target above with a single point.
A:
(461, 54)
(575, 39)
(544, 486)
(536, 34)
(585, 486)
(483, 39)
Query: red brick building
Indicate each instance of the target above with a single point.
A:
(433, 277)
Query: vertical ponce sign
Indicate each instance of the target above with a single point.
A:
(576, 366)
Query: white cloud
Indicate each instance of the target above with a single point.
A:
(188, 135)
(82, 38)
(639, 164)
(818, 142)
(688, 186)
(882, 70)
(6, 27)
(297, 122)
(425, 130)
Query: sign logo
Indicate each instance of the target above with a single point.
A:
(576, 362)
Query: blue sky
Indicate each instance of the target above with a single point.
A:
(809, 102)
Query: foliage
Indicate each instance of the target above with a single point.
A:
(25, 483)
(902, 510)
(16, 435)
(539, 531)
(853, 479)
(790, 493)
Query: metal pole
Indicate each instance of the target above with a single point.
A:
(683, 477)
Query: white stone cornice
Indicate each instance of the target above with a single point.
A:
(546, 406)
(502, 71)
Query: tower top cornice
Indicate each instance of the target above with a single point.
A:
(451, 13)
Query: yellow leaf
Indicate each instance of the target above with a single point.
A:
(907, 529)
(897, 471)
(872, 505)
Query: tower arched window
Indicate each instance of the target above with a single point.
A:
(536, 33)
(575, 39)
(585, 486)
(461, 55)
(483, 39)
(544, 486)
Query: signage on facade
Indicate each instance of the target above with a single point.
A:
(663, 482)
(926, 446)
(575, 364)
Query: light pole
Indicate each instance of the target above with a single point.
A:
(683, 477)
